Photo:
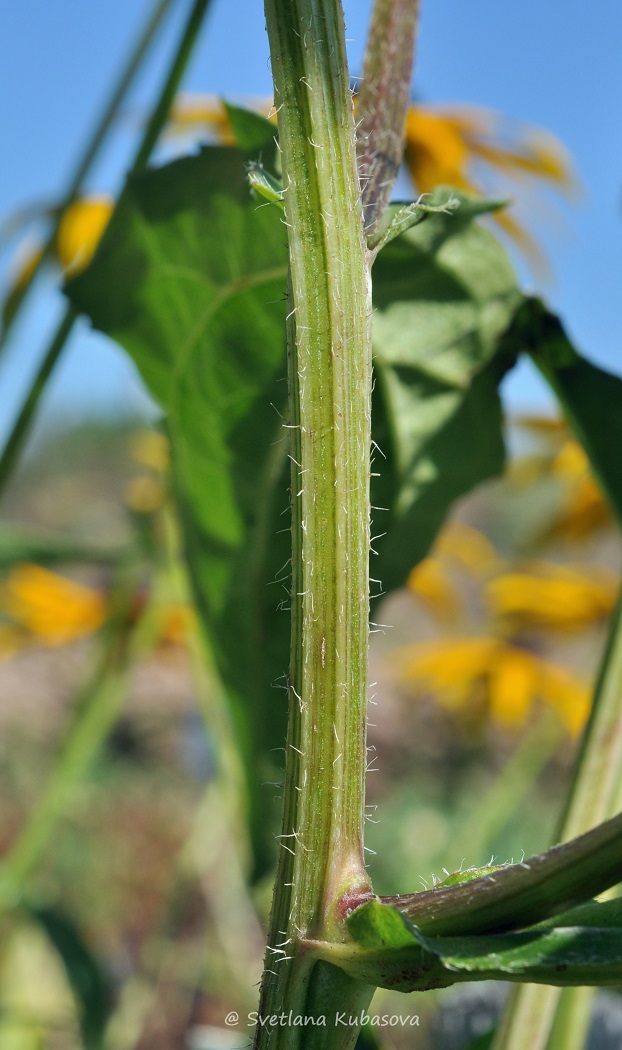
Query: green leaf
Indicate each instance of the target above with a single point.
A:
(444, 294)
(520, 895)
(253, 132)
(258, 136)
(590, 397)
(190, 278)
(90, 987)
(401, 216)
(565, 957)
(599, 914)
(392, 953)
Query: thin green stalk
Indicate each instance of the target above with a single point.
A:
(21, 427)
(93, 146)
(527, 1018)
(539, 1017)
(160, 112)
(596, 780)
(329, 345)
(159, 115)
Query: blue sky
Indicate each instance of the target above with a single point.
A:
(549, 64)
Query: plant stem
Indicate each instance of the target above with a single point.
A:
(382, 101)
(329, 345)
(93, 147)
(562, 1017)
(596, 780)
(170, 87)
(21, 426)
(159, 114)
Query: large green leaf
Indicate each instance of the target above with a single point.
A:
(590, 397)
(190, 278)
(444, 294)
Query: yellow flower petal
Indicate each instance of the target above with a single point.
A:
(513, 148)
(435, 153)
(469, 547)
(571, 461)
(451, 666)
(542, 424)
(80, 231)
(53, 608)
(585, 511)
(512, 686)
(528, 245)
(144, 495)
(571, 698)
(431, 583)
(196, 113)
(558, 598)
(178, 620)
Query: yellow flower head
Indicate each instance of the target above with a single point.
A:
(79, 233)
(52, 608)
(584, 509)
(433, 580)
(477, 150)
(510, 678)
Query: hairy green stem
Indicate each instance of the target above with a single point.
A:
(93, 146)
(329, 343)
(157, 119)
